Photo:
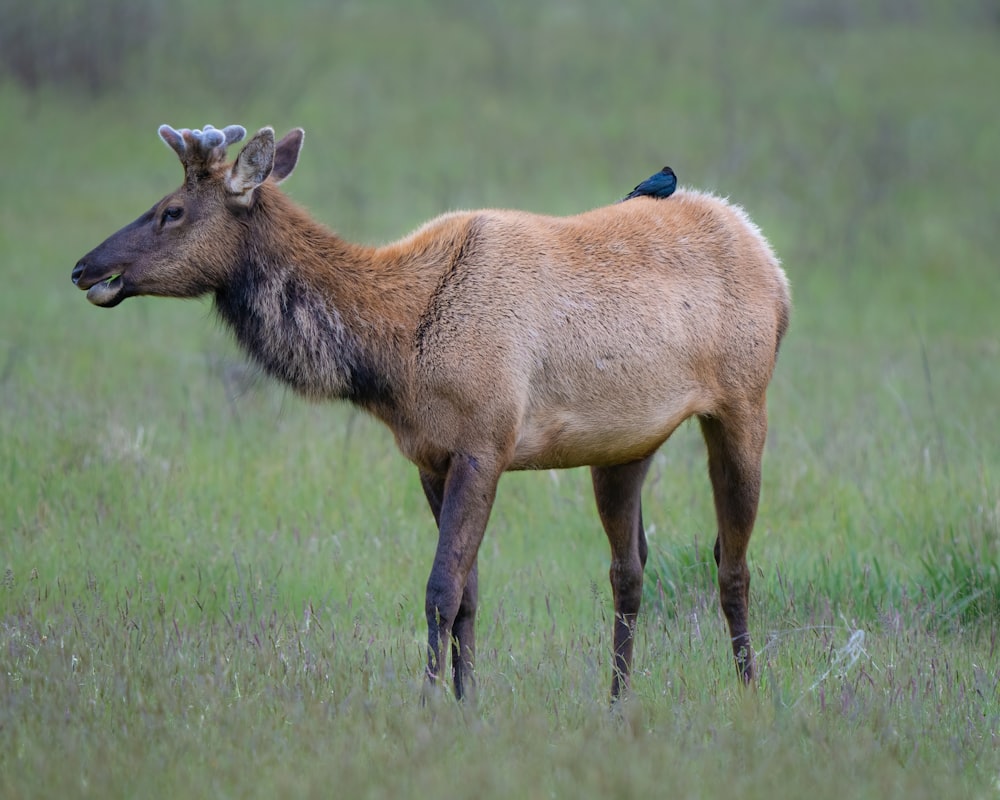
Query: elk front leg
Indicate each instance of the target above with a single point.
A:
(463, 633)
(466, 498)
(463, 637)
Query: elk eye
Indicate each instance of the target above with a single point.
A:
(172, 213)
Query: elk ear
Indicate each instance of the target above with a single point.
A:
(252, 166)
(286, 154)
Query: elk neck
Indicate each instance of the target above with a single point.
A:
(331, 319)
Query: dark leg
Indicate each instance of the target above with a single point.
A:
(461, 504)
(463, 637)
(433, 486)
(618, 493)
(463, 646)
(735, 447)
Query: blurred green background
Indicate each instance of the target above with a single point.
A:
(861, 137)
(139, 454)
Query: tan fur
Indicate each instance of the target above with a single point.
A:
(595, 336)
(497, 340)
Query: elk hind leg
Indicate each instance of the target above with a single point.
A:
(618, 492)
(735, 444)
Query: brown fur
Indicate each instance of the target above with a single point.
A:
(497, 340)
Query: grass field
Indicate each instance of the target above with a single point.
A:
(214, 589)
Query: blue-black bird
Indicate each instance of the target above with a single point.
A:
(662, 184)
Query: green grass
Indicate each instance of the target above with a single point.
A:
(211, 588)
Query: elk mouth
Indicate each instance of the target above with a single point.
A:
(108, 292)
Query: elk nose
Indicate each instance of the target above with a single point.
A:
(77, 272)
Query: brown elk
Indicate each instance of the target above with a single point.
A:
(491, 341)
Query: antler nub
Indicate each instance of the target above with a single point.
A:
(201, 147)
(234, 133)
(173, 139)
(210, 137)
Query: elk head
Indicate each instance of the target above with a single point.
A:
(187, 243)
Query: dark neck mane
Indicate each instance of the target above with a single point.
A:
(297, 305)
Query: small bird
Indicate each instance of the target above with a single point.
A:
(662, 184)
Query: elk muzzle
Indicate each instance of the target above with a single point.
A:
(104, 287)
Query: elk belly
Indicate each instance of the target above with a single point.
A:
(568, 439)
